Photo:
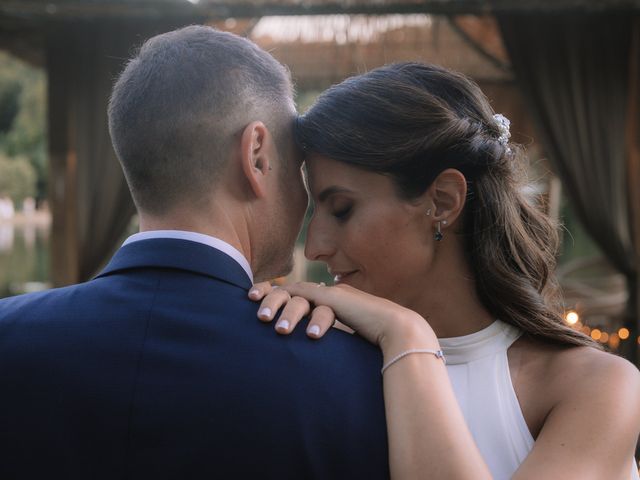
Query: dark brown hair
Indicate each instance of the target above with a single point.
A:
(411, 121)
(178, 104)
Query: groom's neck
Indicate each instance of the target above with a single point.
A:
(220, 225)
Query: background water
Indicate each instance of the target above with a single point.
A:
(24, 257)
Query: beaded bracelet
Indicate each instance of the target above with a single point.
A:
(438, 353)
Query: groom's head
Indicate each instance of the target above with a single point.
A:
(201, 121)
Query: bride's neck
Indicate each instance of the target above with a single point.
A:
(449, 301)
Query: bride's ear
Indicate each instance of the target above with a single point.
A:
(448, 193)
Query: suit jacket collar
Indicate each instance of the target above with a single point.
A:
(179, 254)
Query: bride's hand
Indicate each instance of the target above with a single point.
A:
(294, 308)
(380, 321)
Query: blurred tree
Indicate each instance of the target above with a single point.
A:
(10, 91)
(23, 123)
(17, 178)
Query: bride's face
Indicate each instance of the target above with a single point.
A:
(367, 235)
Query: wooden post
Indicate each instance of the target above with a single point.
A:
(62, 161)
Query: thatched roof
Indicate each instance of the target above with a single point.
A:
(324, 49)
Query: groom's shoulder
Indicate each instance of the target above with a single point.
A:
(28, 302)
(338, 356)
(64, 303)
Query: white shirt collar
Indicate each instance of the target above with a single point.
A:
(195, 237)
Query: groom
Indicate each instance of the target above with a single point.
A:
(158, 368)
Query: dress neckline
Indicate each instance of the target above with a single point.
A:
(493, 339)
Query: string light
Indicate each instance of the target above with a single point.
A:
(611, 339)
(614, 341)
(572, 317)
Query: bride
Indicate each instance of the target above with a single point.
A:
(438, 257)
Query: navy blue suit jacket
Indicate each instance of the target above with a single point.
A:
(158, 368)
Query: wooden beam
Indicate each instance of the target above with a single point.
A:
(76, 9)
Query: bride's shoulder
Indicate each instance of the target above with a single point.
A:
(567, 371)
(588, 381)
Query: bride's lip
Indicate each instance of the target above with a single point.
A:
(341, 277)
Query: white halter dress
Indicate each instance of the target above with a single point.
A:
(479, 371)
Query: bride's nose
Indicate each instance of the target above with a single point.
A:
(320, 244)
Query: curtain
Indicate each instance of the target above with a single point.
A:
(574, 71)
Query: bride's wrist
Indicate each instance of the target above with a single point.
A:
(408, 331)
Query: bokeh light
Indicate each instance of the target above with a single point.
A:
(572, 317)
(614, 341)
(623, 333)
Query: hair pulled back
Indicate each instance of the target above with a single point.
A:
(411, 121)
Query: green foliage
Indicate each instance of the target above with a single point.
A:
(17, 178)
(23, 134)
(10, 91)
(576, 242)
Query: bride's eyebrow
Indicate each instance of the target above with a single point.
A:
(333, 190)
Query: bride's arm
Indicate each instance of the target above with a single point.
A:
(427, 434)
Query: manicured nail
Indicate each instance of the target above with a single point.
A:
(314, 330)
(282, 325)
(265, 312)
(254, 292)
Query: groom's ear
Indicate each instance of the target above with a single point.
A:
(255, 147)
(448, 193)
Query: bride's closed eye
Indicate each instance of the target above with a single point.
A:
(341, 210)
(342, 214)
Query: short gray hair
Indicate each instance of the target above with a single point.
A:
(181, 100)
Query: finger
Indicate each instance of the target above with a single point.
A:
(260, 290)
(272, 303)
(372, 317)
(292, 313)
(322, 319)
(316, 293)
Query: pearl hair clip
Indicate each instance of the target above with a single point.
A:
(503, 124)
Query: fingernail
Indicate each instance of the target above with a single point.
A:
(265, 312)
(254, 292)
(314, 330)
(283, 325)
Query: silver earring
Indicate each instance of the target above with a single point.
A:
(438, 235)
(429, 213)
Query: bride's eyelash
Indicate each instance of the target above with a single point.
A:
(343, 213)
